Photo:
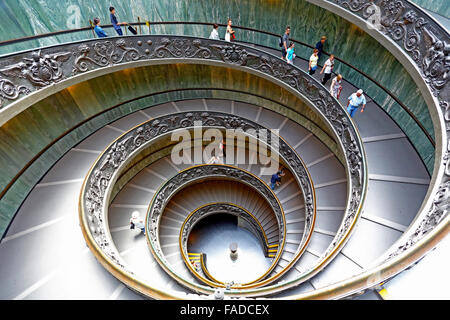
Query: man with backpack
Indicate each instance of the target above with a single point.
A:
(284, 42)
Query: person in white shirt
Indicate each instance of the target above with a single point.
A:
(336, 86)
(137, 222)
(214, 33)
(328, 69)
(313, 62)
(356, 100)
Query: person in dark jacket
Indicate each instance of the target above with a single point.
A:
(275, 181)
(114, 22)
(319, 45)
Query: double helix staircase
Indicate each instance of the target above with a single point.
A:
(377, 228)
(159, 263)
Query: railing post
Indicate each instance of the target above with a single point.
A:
(140, 28)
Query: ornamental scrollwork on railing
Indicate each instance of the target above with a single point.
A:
(40, 70)
(215, 208)
(102, 53)
(52, 65)
(413, 30)
(106, 53)
(428, 45)
(99, 180)
(10, 91)
(181, 48)
(201, 172)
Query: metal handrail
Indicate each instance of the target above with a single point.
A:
(365, 75)
(302, 84)
(183, 245)
(151, 221)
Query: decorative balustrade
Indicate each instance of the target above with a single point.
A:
(125, 52)
(201, 173)
(423, 42)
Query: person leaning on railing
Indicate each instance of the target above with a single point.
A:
(98, 30)
(114, 22)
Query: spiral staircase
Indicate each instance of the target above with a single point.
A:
(347, 211)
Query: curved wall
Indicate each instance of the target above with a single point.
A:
(109, 97)
(308, 23)
(441, 7)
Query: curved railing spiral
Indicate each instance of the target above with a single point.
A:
(143, 135)
(221, 207)
(254, 226)
(422, 45)
(201, 173)
(419, 42)
(101, 54)
(423, 138)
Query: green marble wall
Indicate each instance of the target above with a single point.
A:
(308, 22)
(31, 131)
(441, 7)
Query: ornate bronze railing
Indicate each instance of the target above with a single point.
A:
(422, 46)
(278, 146)
(208, 209)
(302, 46)
(100, 55)
(202, 173)
(170, 123)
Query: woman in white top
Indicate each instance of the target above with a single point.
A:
(313, 61)
(229, 33)
(336, 86)
(214, 34)
(328, 68)
(137, 222)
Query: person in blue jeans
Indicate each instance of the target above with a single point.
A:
(98, 30)
(114, 22)
(355, 101)
(276, 179)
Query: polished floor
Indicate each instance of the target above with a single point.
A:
(213, 236)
